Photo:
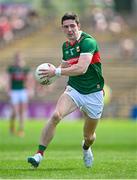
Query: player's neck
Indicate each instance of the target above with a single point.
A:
(73, 41)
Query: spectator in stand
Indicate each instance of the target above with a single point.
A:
(5, 29)
(128, 48)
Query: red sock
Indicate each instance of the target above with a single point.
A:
(41, 152)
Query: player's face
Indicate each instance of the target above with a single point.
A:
(71, 29)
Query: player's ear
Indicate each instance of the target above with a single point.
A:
(79, 26)
(62, 28)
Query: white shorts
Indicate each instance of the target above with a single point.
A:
(92, 104)
(19, 96)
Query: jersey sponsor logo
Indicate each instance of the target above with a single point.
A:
(72, 51)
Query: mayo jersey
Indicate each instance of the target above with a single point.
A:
(18, 76)
(92, 80)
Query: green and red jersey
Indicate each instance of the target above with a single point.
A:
(92, 80)
(18, 76)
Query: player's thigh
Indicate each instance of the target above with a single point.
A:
(23, 99)
(23, 107)
(15, 108)
(90, 125)
(65, 105)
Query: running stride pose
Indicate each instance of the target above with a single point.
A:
(81, 62)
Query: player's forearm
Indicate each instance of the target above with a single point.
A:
(73, 70)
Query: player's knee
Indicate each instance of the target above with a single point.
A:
(90, 138)
(56, 117)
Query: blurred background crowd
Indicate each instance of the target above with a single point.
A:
(33, 27)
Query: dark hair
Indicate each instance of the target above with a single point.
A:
(70, 15)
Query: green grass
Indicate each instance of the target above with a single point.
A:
(115, 152)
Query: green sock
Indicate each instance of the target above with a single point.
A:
(85, 147)
(41, 149)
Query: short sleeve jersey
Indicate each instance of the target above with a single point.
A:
(92, 80)
(18, 77)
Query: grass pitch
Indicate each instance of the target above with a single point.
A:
(115, 152)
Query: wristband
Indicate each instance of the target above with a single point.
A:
(58, 72)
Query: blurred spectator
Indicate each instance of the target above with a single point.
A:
(16, 23)
(117, 25)
(16, 18)
(99, 19)
(104, 18)
(128, 48)
(5, 29)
